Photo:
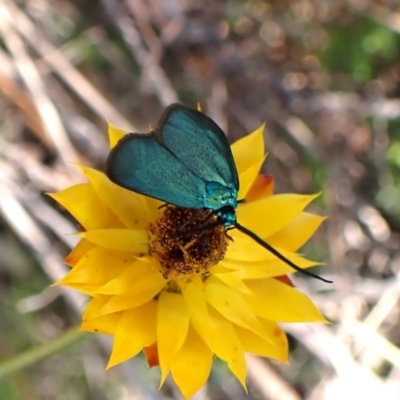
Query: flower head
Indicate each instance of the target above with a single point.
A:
(185, 299)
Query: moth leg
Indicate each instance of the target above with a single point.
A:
(226, 233)
(181, 230)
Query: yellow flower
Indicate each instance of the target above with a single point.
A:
(185, 300)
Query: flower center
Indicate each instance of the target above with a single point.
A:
(183, 243)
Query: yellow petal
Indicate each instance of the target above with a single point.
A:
(297, 232)
(248, 177)
(93, 270)
(132, 240)
(197, 309)
(192, 365)
(92, 322)
(115, 134)
(138, 297)
(172, 329)
(138, 274)
(198, 281)
(226, 345)
(269, 215)
(153, 207)
(128, 206)
(276, 301)
(218, 269)
(231, 304)
(94, 306)
(232, 280)
(105, 324)
(266, 268)
(135, 330)
(275, 347)
(83, 203)
(244, 248)
(249, 150)
(78, 252)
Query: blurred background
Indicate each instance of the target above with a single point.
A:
(325, 77)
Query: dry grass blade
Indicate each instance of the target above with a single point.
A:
(18, 97)
(148, 61)
(31, 77)
(351, 375)
(268, 382)
(31, 233)
(70, 75)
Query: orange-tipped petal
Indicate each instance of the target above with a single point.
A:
(263, 186)
(285, 279)
(151, 353)
(78, 252)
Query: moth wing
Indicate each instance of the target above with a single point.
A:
(140, 164)
(199, 143)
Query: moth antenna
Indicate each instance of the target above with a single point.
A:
(276, 253)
